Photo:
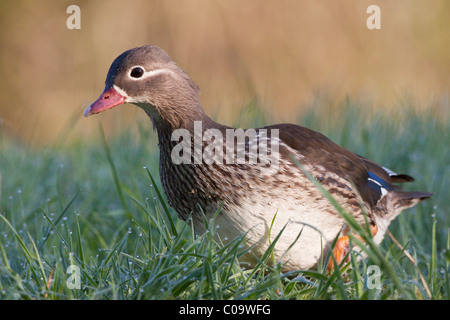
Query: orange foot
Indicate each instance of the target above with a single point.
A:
(342, 247)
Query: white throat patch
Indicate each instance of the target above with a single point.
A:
(121, 92)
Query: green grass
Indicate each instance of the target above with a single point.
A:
(98, 204)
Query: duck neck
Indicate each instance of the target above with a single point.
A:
(177, 118)
(186, 187)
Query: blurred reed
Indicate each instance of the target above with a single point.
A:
(288, 56)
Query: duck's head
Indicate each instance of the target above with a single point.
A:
(148, 77)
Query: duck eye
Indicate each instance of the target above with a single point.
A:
(137, 72)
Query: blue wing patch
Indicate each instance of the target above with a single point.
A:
(378, 184)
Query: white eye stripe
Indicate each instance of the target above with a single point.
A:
(147, 74)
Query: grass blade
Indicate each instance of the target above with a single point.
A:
(115, 175)
(161, 200)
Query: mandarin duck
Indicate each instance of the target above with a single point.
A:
(251, 180)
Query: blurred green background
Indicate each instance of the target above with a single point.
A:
(289, 55)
